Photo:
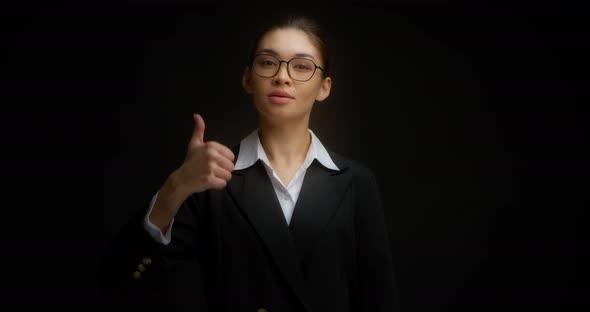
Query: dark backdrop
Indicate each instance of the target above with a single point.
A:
(469, 118)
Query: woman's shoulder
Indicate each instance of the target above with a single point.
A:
(353, 166)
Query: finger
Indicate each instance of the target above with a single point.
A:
(223, 150)
(217, 183)
(221, 173)
(198, 131)
(224, 163)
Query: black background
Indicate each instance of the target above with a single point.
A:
(470, 118)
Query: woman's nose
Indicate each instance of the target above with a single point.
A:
(282, 75)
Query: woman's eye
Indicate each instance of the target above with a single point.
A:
(302, 67)
(266, 63)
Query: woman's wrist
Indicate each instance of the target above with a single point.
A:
(169, 199)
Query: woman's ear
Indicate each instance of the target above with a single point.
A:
(325, 87)
(246, 80)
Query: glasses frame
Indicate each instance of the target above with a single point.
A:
(288, 70)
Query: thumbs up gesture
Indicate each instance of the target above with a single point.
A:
(207, 165)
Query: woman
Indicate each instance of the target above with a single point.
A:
(278, 223)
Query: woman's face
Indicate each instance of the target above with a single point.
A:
(286, 43)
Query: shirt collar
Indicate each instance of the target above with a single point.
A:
(251, 150)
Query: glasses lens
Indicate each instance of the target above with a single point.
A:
(266, 65)
(301, 68)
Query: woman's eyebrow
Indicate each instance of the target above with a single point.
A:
(273, 52)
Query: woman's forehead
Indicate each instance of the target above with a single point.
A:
(288, 43)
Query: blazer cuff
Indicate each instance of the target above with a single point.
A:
(153, 230)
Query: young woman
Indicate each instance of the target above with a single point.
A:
(277, 223)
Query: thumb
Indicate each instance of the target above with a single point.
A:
(199, 130)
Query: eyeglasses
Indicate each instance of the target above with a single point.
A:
(298, 68)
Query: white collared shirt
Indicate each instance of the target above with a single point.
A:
(251, 151)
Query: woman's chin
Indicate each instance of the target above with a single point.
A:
(279, 115)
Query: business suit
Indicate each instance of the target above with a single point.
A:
(333, 256)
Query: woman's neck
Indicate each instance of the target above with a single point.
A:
(285, 144)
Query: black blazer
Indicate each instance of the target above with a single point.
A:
(334, 256)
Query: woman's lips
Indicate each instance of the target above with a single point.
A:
(280, 93)
(280, 97)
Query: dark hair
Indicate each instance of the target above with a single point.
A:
(306, 24)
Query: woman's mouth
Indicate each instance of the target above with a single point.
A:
(280, 97)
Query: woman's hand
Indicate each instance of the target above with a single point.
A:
(207, 165)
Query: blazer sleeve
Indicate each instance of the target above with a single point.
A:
(376, 287)
(139, 271)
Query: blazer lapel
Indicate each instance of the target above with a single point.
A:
(253, 192)
(320, 196)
